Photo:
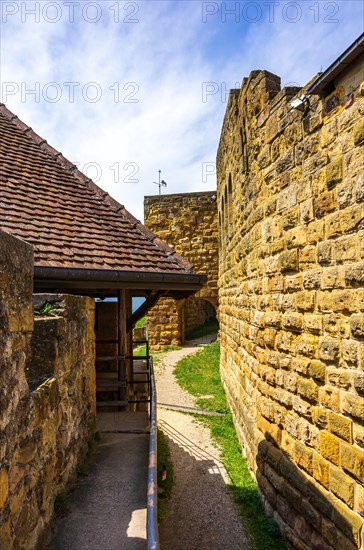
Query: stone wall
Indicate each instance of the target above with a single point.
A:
(188, 223)
(291, 218)
(47, 398)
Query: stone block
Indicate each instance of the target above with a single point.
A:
(340, 377)
(348, 523)
(26, 452)
(325, 252)
(311, 515)
(317, 370)
(4, 487)
(334, 171)
(306, 211)
(352, 219)
(347, 249)
(332, 277)
(352, 461)
(329, 349)
(292, 322)
(334, 324)
(320, 416)
(350, 352)
(321, 470)
(358, 132)
(324, 204)
(342, 485)
(344, 300)
(306, 345)
(307, 389)
(353, 405)
(315, 231)
(358, 380)
(359, 499)
(291, 495)
(286, 198)
(357, 326)
(296, 237)
(330, 447)
(304, 457)
(340, 426)
(288, 260)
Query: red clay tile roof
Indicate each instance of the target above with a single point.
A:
(69, 220)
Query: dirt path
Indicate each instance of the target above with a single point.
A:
(202, 514)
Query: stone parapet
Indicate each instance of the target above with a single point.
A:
(47, 397)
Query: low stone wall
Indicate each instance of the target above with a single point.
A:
(47, 398)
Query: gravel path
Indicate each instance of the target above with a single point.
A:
(202, 514)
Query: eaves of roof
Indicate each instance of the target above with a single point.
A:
(107, 281)
(351, 53)
(114, 247)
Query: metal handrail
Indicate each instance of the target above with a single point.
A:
(152, 507)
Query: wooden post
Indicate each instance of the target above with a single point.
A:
(130, 366)
(122, 341)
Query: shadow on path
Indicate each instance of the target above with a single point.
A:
(203, 516)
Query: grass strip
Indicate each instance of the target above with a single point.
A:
(164, 486)
(141, 322)
(200, 376)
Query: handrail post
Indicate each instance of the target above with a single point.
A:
(152, 507)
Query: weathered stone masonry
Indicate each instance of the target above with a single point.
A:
(47, 397)
(291, 302)
(189, 222)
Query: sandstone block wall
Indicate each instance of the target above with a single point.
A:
(291, 295)
(47, 398)
(188, 223)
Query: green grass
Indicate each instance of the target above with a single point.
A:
(46, 309)
(209, 327)
(141, 323)
(165, 349)
(199, 375)
(140, 351)
(165, 487)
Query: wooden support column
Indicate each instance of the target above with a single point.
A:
(122, 341)
(129, 364)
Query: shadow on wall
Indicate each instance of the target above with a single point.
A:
(305, 509)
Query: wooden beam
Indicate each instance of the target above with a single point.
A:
(142, 310)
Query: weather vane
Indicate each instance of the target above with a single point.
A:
(160, 183)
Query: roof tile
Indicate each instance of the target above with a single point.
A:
(70, 221)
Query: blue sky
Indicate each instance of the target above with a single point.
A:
(127, 88)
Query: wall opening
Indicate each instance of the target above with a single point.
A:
(199, 317)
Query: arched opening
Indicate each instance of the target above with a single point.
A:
(199, 318)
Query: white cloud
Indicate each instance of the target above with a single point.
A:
(162, 61)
